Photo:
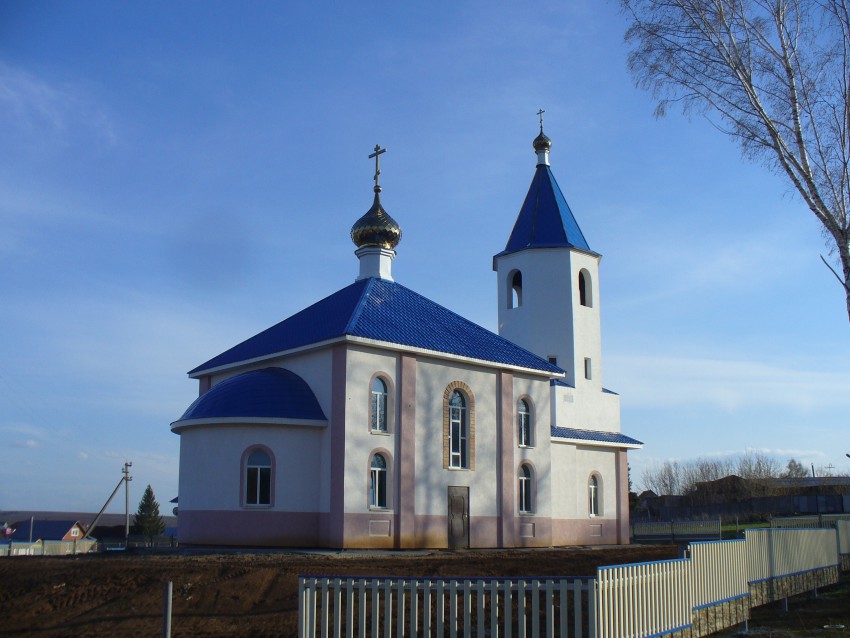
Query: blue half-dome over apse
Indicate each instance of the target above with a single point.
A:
(275, 394)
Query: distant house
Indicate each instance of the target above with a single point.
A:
(47, 530)
(736, 496)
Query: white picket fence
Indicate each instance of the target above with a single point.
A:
(375, 607)
(624, 601)
(646, 599)
(781, 552)
(843, 528)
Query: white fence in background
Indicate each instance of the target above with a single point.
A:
(624, 601)
(374, 607)
(685, 531)
(818, 520)
(46, 548)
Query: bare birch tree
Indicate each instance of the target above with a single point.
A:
(773, 74)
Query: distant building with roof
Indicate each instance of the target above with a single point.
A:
(376, 418)
(46, 530)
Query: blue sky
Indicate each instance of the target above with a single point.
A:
(175, 177)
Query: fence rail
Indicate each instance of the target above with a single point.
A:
(351, 606)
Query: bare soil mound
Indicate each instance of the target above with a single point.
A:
(235, 593)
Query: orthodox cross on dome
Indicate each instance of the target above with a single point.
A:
(377, 156)
(540, 115)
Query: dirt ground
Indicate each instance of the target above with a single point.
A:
(235, 593)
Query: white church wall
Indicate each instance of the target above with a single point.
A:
(538, 454)
(432, 479)
(211, 466)
(586, 321)
(586, 409)
(360, 442)
(543, 321)
(572, 467)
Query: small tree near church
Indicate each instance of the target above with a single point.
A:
(147, 520)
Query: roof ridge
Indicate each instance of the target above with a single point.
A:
(358, 308)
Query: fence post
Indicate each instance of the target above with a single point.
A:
(166, 610)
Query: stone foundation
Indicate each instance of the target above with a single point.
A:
(770, 590)
(713, 618)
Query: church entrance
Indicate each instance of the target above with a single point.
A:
(458, 498)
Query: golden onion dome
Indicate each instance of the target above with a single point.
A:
(541, 142)
(376, 227)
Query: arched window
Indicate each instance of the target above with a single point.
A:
(524, 423)
(526, 506)
(458, 427)
(258, 478)
(593, 496)
(585, 291)
(515, 289)
(458, 431)
(378, 482)
(379, 405)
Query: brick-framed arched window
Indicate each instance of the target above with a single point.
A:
(458, 427)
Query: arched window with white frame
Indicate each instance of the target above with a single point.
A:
(378, 482)
(458, 431)
(458, 427)
(525, 483)
(380, 419)
(593, 496)
(524, 428)
(258, 478)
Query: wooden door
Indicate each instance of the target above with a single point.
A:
(458, 498)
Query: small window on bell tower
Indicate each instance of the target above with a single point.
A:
(585, 296)
(515, 289)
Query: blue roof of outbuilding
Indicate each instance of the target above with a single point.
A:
(593, 436)
(545, 219)
(268, 393)
(384, 311)
(42, 530)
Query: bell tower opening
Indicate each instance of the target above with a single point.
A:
(514, 289)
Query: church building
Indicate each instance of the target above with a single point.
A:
(376, 418)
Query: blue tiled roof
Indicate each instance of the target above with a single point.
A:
(545, 219)
(42, 530)
(594, 436)
(268, 393)
(561, 383)
(385, 311)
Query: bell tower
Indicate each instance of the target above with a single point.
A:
(548, 288)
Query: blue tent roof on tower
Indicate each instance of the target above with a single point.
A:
(386, 311)
(545, 219)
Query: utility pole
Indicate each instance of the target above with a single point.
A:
(127, 479)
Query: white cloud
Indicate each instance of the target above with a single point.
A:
(30, 444)
(728, 384)
(45, 113)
